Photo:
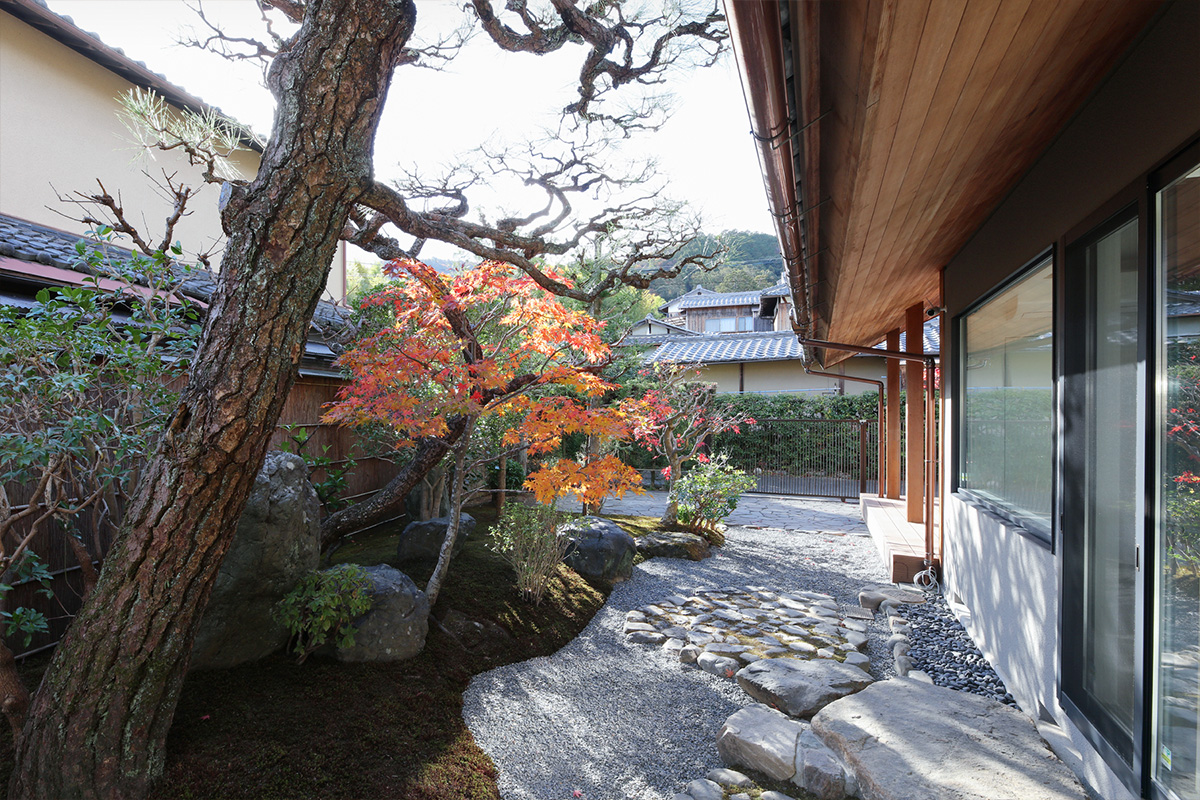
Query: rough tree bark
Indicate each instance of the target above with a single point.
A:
(98, 724)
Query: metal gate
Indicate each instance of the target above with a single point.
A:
(813, 457)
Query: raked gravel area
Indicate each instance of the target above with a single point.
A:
(619, 721)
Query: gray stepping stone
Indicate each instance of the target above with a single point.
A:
(720, 666)
(704, 790)
(857, 659)
(645, 637)
(800, 688)
(688, 654)
(730, 777)
(968, 747)
(773, 795)
(762, 740)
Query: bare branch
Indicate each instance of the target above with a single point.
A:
(294, 10)
(621, 50)
(233, 48)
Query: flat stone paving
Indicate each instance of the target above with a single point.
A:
(903, 738)
(906, 739)
(754, 511)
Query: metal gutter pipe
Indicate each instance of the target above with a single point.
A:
(755, 31)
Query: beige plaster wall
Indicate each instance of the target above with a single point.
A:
(59, 130)
(782, 377)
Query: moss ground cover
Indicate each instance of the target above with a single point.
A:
(275, 729)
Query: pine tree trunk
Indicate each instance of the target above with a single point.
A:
(98, 724)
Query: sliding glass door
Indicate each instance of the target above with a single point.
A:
(1177, 617)
(1102, 499)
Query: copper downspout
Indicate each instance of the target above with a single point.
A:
(754, 27)
(930, 465)
(879, 386)
(931, 361)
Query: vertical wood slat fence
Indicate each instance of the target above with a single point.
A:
(835, 458)
(302, 409)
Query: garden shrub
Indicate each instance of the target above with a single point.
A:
(325, 603)
(527, 538)
(88, 378)
(708, 494)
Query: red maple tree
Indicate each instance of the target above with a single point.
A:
(487, 341)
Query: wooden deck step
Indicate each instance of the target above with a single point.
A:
(901, 543)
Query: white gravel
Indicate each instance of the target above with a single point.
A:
(625, 722)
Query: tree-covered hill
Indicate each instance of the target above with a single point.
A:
(752, 262)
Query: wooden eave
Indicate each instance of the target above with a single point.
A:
(911, 120)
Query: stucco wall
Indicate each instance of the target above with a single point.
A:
(1009, 583)
(782, 377)
(59, 130)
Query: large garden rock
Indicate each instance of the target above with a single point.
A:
(422, 540)
(761, 739)
(801, 688)
(673, 544)
(598, 549)
(278, 540)
(395, 627)
(906, 739)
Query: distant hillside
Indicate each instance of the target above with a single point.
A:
(753, 262)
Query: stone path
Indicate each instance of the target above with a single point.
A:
(754, 511)
(623, 712)
(722, 630)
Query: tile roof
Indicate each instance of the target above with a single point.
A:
(728, 347)
(778, 290)
(719, 299)
(932, 336)
(24, 245)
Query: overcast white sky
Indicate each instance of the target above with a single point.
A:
(705, 152)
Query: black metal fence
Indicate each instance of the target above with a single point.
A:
(814, 457)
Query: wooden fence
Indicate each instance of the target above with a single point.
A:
(302, 410)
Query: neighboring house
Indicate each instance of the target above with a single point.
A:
(60, 133)
(766, 362)
(1032, 173)
(651, 326)
(705, 311)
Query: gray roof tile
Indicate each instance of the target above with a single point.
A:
(28, 241)
(728, 347)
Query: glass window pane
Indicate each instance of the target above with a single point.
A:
(1177, 697)
(1006, 446)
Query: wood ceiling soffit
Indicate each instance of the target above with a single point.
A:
(961, 97)
(841, 68)
(900, 25)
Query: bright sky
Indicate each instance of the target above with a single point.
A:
(705, 151)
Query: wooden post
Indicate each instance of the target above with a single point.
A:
(893, 418)
(914, 439)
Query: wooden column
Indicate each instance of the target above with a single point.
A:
(892, 415)
(914, 420)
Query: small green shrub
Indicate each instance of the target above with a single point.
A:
(325, 604)
(709, 494)
(527, 538)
